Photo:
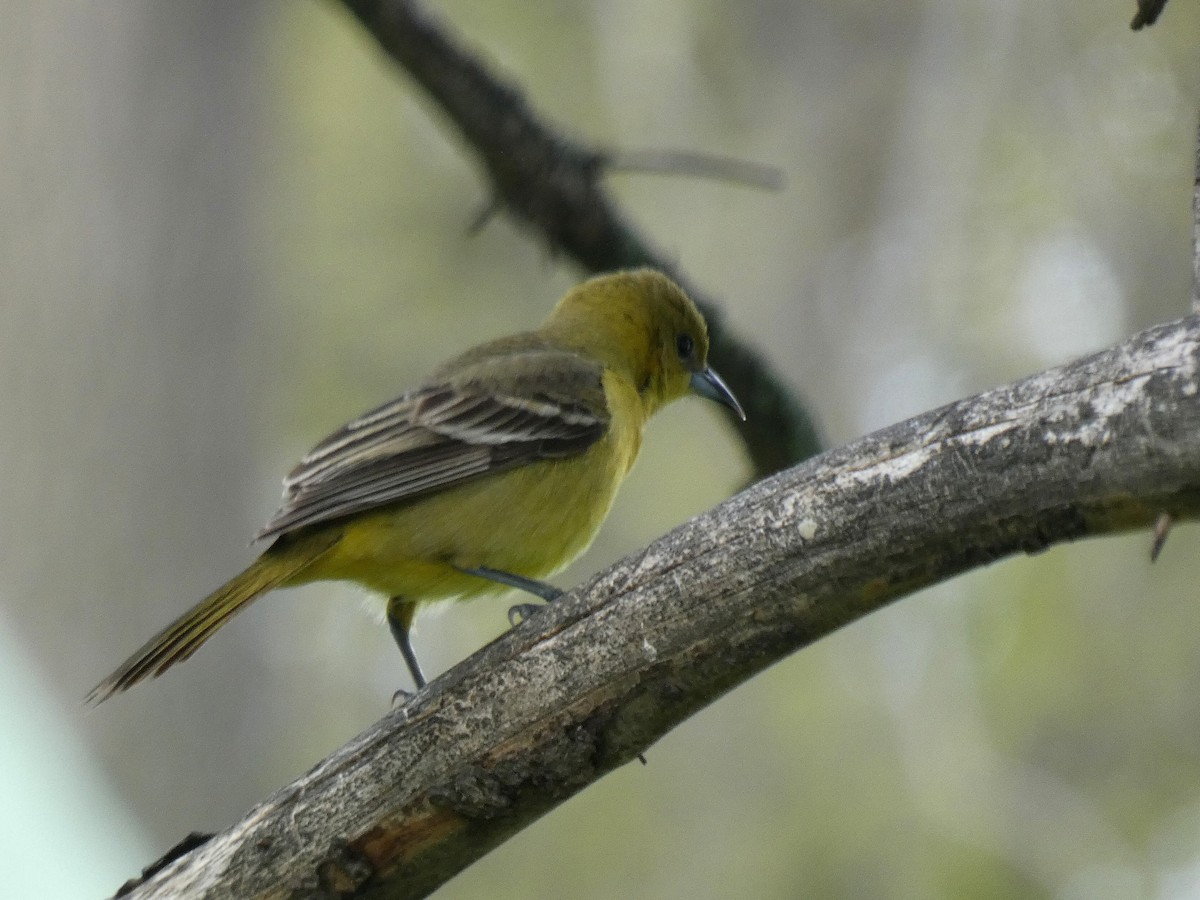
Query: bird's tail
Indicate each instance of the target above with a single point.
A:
(183, 637)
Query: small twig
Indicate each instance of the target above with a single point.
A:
(697, 165)
(187, 845)
(1162, 528)
(485, 214)
(1147, 13)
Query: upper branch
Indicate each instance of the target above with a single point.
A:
(555, 185)
(1098, 446)
(1147, 13)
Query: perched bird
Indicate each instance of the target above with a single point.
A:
(495, 473)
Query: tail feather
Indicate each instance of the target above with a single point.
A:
(183, 637)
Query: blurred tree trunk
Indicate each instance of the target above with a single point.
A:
(127, 231)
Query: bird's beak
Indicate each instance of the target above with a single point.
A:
(708, 383)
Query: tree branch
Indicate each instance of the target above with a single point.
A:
(554, 185)
(1095, 447)
(1147, 13)
(1196, 226)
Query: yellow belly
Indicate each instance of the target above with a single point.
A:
(530, 521)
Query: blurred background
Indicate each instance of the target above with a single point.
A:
(226, 227)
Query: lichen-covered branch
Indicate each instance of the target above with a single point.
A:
(555, 185)
(1095, 447)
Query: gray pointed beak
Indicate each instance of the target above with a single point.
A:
(708, 383)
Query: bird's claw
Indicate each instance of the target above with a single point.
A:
(519, 613)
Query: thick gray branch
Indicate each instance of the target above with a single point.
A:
(1101, 445)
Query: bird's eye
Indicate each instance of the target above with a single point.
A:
(685, 345)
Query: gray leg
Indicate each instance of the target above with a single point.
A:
(522, 611)
(399, 616)
(547, 592)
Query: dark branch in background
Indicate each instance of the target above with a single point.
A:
(1095, 447)
(555, 185)
(1147, 13)
(697, 165)
(1196, 228)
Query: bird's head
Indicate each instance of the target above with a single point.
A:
(642, 325)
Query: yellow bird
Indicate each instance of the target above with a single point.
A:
(495, 473)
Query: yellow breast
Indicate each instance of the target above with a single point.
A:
(530, 521)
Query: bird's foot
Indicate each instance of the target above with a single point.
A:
(519, 613)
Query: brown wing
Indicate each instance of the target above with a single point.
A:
(493, 414)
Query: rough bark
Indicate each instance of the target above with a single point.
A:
(1098, 446)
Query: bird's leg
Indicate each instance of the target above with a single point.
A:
(400, 614)
(541, 589)
(522, 611)
(519, 612)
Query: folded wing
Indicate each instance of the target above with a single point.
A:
(494, 414)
